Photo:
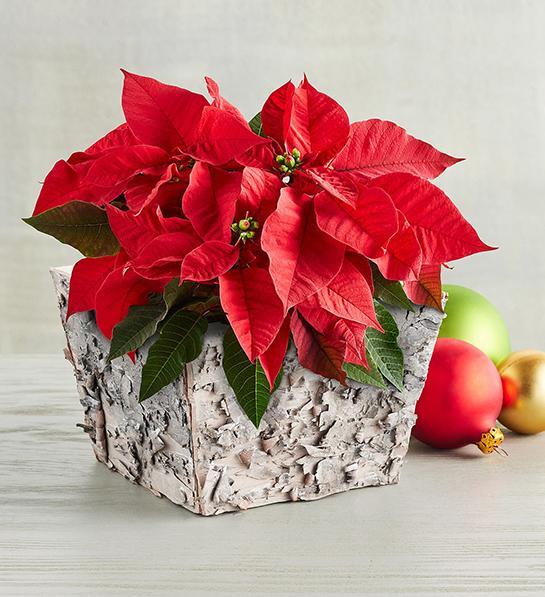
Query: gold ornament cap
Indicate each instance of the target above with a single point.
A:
(490, 441)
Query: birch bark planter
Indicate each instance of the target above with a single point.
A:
(194, 445)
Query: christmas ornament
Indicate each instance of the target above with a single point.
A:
(523, 378)
(461, 399)
(471, 317)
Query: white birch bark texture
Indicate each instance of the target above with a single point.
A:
(193, 444)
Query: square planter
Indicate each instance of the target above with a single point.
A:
(193, 444)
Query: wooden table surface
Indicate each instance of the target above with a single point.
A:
(458, 522)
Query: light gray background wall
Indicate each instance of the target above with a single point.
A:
(468, 76)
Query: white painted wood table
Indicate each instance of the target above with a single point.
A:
(458, 522)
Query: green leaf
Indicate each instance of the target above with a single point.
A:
(383, 348)
(371, 376)
(191, 297)
(203, 306)
(389, 291)
(139, 325)
(247, 379)
(175, 294)
(81, 225)
(256, 125)
(179, 342)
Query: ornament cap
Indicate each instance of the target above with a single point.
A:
(490, 441)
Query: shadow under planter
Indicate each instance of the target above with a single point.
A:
(193, 444)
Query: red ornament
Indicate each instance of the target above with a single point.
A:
(462, 397)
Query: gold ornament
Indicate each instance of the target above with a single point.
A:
(490, 441)
(524, 373)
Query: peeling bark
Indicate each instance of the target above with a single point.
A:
(193, 444)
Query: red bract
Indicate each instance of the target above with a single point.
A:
(317, 351)
(209, 260)
(282, 222)
(349, 296)
(303, 258)
(366, 227)
(88, 275)
(210, 201)
(442, 232)
(252, 307)
(109, 286)
(376, 147)
(68, 179)
(121, 289)
(167, 127)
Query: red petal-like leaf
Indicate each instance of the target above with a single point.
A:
(165, 190)
(121, 289)
(318, 118)
(210, 201)
(364, 267)
(441, 230)
(120, 136)
(259, 193)
(377, 147)
(339, 184)
(221, 137)
(260, 156)
(403, 256)
(366, 228)
(209, 260)
(119, 164)
(271, 360)
(346, 332)
(352, 356)
(163, 256)
(174, 224)
(133, 231)
(348, 335)
(320, 319)
(138, 190)
(252, 307)
(87, 277)
(303, 258)
(349, 296)
(427, 289)
(306, 119)
(220, 102)
(354, 336)
(276, 113)
(315, 351)
(159, 114)
(67, 182)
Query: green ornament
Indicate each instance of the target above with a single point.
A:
(471, 317)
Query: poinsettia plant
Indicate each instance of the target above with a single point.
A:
(297, 224)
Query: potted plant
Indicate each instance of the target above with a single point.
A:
(256, 309)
